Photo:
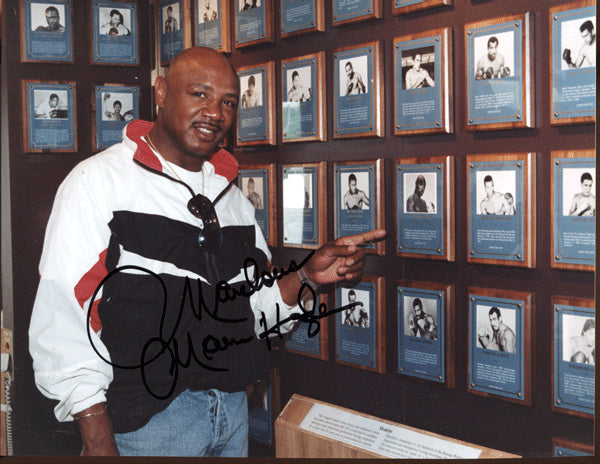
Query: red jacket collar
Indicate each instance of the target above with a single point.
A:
(224, 162)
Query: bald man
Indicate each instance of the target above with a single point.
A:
(144, 329)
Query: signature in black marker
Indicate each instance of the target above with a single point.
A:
(164, 344)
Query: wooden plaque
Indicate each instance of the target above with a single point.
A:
(306, 340)
(501, 209)
(501, 344)
(253, 22)
(355, 214)
(572, 52)
(573, 210)
(49, 116)
(499, 73)
(303, 112)
(425, 216)
(256, 112)
(301, 17)
(441, 300)
(306, 214)
(212, 25)
(407, 6)
(563, 448)
(573, 356)
(264, 196)
(358, 103)
(355, 324)
(347, 13)
(423, 83)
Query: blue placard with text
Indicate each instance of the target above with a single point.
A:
(48, 30)
(355, 201)
(253, 109)
(496, 348)
(356, 327)
(306, 338)
(250, 21)
(209, 25)
(419, 93)
(349, 9)
(258, 194)
(299, 99)
(561, 451)
(495, 73)
(496, 209)
(115, 33)
(574, 358)
(115, 107)
(171, 29)
(574, 63)
(297, 15)
(51, 120)
(353, 91)
(421, 338)
(300, 206)
(574, 210)
(420, 193)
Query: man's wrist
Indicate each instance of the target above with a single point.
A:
(305, 280)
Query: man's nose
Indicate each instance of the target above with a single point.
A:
(213, 109)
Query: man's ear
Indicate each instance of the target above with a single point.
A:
(160, 91)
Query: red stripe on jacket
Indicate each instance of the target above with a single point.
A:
(85, 288)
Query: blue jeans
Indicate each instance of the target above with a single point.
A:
(201, 423)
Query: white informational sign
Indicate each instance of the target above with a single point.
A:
(381, 438)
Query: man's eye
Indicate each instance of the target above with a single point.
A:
(230, 103)
(199, 94)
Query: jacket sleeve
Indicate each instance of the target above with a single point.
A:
(67, 358)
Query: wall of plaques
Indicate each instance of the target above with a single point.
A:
(464, 127)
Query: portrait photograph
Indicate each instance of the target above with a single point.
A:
(354, 76)
(496, 328)
(298, 190)
(117, 106)
(207, 10)
(47, 17)
(50, 104)
(420, 192)
(171, 16)
(354, 190)
(114, 21)
(494, 56)
(358, 315)
(418, 68)
(252, 90)
(578, 43)
(578, 192)
(248, 4)
(420, 317)
(496, 192)
(299, 87)
(252, 188)
(578, 339)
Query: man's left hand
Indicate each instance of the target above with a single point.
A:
(341, 259)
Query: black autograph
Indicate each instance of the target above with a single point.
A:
(165, 344)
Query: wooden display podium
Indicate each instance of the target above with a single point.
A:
(307, 428)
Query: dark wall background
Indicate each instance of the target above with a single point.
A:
(523, 430)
